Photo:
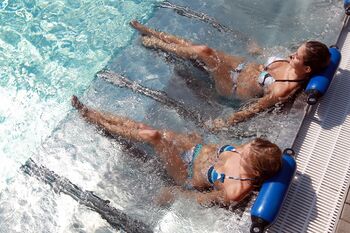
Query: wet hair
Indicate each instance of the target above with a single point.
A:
(264, 157)
(317, 56)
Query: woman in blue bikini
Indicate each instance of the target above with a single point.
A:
(275, 82)
(221, 175)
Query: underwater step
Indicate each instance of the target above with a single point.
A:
(160, 96)
(187, 12)
(116, 218)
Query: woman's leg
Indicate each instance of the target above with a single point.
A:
(217, 63)
(196, 52)
(167, 38)
(112, 124)
(168, 145)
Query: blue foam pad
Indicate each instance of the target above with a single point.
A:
(272, 193)
(319, 83)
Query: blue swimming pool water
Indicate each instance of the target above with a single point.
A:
(48, 51)
(51, 50)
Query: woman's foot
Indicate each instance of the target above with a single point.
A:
(139, 27)
(78, 105)
(165, 37)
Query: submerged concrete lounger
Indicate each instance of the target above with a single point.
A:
(116, 218)
(160, 96)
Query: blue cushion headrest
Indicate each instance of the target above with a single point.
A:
(319, 83)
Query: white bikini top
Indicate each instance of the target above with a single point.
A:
(264, 78)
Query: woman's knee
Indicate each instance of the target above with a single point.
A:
(144, 126)
(150, 135)
(203, 50)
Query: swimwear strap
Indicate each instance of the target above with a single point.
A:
(213, 176)
(266, 75)
(291, 81)
(238, 178)
(240, 67)
(226, 148)
(196, 152)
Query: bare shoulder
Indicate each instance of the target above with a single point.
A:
(281, 90)
(237, 191)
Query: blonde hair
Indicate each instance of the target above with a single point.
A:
(264, 157)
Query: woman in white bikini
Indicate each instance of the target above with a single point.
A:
(274, 82)
(206, 172)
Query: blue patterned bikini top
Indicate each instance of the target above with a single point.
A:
(214, 176)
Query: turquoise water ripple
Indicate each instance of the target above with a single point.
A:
(50, 50)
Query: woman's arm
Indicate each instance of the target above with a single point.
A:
(168, 195)
(261, 105)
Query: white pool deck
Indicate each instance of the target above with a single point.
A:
(318, 200)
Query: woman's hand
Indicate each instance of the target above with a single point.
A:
(221, 124)
(254, 48)
(166, 196)
(236, 118)
(216, 124)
